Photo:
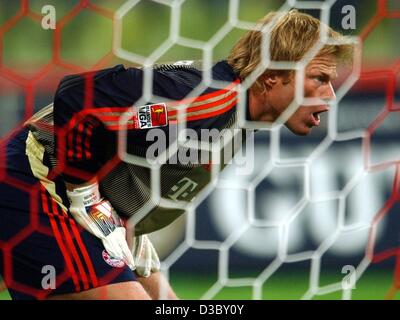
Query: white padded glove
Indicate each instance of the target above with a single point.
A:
(145, 256)
(98, 217)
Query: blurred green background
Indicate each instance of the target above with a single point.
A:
(87, 37)
(374, 285)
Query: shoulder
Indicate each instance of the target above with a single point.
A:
(177, 80)
(215, 107)
(111, 86)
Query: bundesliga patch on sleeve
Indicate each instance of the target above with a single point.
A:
(151, 116)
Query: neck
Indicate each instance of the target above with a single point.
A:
(258, 107)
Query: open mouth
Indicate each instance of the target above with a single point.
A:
(315, 116)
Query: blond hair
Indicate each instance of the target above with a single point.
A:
(291, 37)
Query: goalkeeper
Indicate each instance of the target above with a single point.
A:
(67, 195)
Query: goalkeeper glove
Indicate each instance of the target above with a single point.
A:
(98, 217)
(145, 256)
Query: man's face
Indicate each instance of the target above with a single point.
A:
(317, 84)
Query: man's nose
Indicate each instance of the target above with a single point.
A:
(329, 93)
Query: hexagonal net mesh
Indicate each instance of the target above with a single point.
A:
(289, 217)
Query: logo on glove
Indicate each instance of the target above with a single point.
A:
(113, 262)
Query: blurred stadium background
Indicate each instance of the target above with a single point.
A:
(33, 60)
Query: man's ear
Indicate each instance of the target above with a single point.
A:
(270, 81)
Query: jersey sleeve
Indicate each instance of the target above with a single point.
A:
(85, 106)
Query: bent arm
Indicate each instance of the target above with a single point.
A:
(158, 287)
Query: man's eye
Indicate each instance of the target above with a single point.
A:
(321, 79)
